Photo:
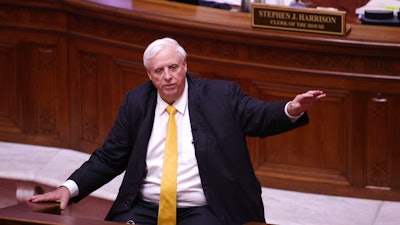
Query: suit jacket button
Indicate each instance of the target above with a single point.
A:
(127, 203)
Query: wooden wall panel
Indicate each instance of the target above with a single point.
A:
(35, 87)
(9, 113)
(379, 142)
(99, 84)
(317, 152)
(36, 75)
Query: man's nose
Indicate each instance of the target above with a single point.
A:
(167, 74)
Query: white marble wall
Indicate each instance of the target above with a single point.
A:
(51, 166)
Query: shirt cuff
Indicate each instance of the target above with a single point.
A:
(72, 187)
(292, 118)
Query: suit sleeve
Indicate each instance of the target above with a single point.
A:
(260, 118)
(107, 161)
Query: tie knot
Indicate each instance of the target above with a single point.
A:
(171, 110)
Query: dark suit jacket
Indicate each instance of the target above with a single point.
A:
(221, 116)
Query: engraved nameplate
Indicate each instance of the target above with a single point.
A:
(299, 19)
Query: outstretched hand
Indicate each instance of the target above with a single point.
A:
(60, 194)
(302, 102)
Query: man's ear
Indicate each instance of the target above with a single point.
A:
(185, 66)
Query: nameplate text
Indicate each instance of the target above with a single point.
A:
(299, 19)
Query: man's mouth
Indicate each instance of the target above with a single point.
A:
(169, 86)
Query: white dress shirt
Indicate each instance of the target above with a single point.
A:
(189, 189)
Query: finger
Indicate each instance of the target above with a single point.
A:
(63, 204)
(321, 96)
(31, 199)
(34, 198)
(313, 95)
(39, 198)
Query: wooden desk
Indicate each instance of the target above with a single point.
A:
(43, 213)
(48, 213)
(66, 66)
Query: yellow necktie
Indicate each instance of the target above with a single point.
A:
(167, 208)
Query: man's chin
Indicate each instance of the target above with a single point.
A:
(169, 97)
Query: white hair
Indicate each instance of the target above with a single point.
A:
(156, 46)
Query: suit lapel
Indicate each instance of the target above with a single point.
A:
(199, 130)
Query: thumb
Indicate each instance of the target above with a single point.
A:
(63, 203)
(64, 197)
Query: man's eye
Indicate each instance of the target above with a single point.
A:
(174, 67)
(158, 71)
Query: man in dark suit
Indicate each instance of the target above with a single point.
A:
(216, 184)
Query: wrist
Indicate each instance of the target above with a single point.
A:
(291, 118)
(292, 111)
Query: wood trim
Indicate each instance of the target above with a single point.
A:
(87, 54)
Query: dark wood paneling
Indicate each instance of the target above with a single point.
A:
(66, 66)
(325, 140)
(9, 96)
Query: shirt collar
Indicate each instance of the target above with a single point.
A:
(180, 104)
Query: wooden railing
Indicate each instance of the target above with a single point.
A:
(89, 211)
(48, 214)
(42, 213)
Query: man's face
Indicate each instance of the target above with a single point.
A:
(167, 71)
